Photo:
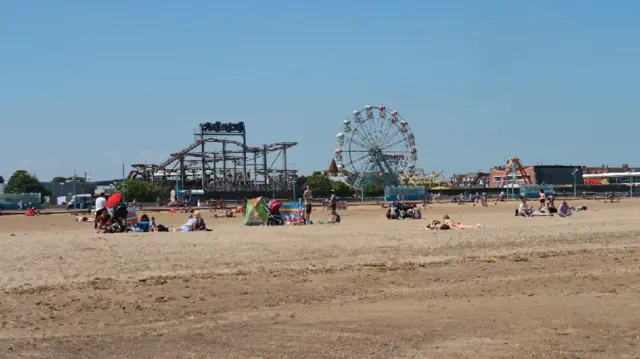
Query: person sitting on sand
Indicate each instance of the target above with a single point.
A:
(454, 224)
(565, 210)
(31, 212)
(104, 222)
(200, 225)
(143, 224)
(334, 217)
(157, 227)
(189, 226)
(524, 209)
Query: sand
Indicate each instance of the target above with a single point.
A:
(367, 288)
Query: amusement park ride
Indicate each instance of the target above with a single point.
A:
(509, 180)
(511, 171)
(375, 146)
(214, 162)
(434, 180)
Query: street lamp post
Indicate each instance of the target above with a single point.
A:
(631, 183)
(273, 187)
(295, 180)
(75, 201)
(575, 193)
(124, 187)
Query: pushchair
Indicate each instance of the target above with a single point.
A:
(398, 210)
(119, 218)
(273, 209)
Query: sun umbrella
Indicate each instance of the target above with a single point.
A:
(113, 200)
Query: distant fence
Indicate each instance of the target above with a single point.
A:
(11, 200)
(562, 190)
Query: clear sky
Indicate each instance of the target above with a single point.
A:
(88, 85)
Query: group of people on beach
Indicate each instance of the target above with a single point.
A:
(332, 204)
(546, 207)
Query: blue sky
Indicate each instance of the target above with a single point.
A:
(88, 85)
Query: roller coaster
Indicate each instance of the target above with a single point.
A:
(214, 162)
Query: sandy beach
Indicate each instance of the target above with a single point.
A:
(545, 287)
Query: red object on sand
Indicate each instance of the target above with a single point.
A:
(113, 200)
(274, 206)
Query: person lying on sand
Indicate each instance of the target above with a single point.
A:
(437, 226)
(84, 219)
(578, 209)
(611, 198)
(456, 225)
(541, 213)
(228, 213)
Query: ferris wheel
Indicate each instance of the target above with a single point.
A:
(376, 145)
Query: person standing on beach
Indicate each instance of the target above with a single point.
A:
(308, 197)
(101, 206)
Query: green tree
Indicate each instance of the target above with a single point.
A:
(59, 179)
(373, 190)
(142, 191)
(1, 180)
(22, 181)
(320, 185)
(300, 182)
(341, 189)
(77, 178)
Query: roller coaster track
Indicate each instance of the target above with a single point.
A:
(185, 151)
(175, 156)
